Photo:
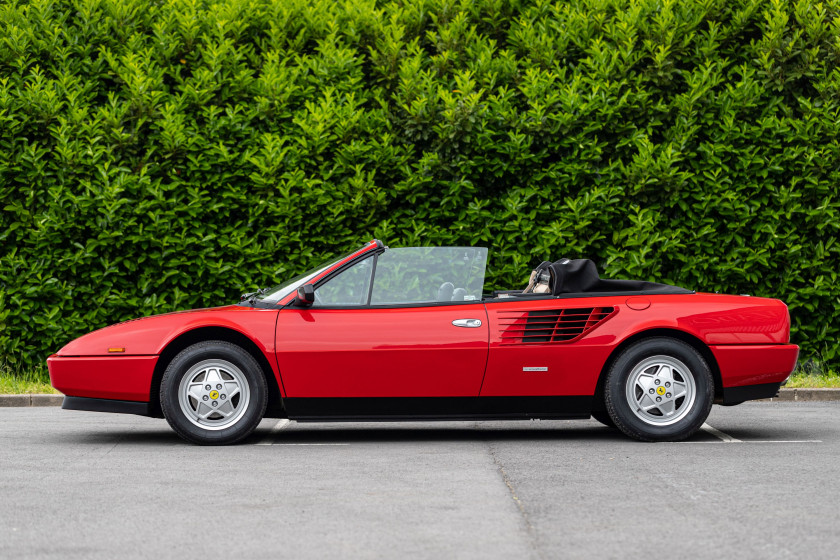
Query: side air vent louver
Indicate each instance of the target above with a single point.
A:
(551, 325)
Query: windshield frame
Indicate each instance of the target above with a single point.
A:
(278, 294)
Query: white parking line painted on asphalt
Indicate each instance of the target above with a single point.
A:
(281, 424)
(753, 441)
(269, 437)
(319, 444)
(784, 441)
(725, 438)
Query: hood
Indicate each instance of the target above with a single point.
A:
(143, 336)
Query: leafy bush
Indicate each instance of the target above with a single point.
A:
(167, 154)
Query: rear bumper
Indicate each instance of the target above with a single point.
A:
(125, 378)
(737, 395)
(755, 364)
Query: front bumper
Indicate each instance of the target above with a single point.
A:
(107, 405)
(126, 378)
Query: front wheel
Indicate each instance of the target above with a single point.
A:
(213, 393)
(659, 389)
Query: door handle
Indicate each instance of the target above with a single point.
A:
(469, 323)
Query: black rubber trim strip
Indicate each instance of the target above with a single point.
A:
(106, 405)
(391, 305)
(736, 395)
(579, 295)
(437, 408)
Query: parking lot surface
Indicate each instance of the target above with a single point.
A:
(760, 481)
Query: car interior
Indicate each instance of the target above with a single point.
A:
(410, 275)
(579, 277)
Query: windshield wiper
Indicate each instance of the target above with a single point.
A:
(251, 297)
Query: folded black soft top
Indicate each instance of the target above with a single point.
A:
(575, 276)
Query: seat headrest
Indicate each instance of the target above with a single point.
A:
(537, 277)
(445, 291)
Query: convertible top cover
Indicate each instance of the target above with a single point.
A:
(575, 276)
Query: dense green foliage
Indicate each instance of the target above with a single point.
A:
(167, 154)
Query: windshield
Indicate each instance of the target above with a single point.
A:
(277, 293)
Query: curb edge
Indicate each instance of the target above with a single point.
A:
(806, 395)
(30, 399)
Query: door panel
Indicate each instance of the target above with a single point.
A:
(547, 347)
(370, 352)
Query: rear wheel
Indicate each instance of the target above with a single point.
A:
(213, 393)
(659, 389)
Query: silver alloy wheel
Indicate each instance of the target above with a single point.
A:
(214, 394)
(660, 390)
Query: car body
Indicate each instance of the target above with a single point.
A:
(365, 337)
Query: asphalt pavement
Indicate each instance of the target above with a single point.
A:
(761, 481)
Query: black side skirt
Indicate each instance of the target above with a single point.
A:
(390, 408)
(106, 405)
(436, 408)
(737, 395)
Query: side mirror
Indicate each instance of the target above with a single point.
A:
(305, 295)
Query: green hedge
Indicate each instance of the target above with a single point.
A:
(167, 154)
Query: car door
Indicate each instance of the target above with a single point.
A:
(387, 326)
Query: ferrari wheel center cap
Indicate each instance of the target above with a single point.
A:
(659, 390)
(215, 394)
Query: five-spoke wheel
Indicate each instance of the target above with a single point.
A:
(659, 389)
(213, 392)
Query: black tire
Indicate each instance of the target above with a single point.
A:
(686, 421)
(603, 417)
(247, 379)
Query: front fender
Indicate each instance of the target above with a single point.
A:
(150, 335)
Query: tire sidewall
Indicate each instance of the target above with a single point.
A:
(616, 395)
(178, 368)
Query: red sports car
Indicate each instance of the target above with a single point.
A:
(407, 334)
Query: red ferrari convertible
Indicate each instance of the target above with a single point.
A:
(407, 334)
